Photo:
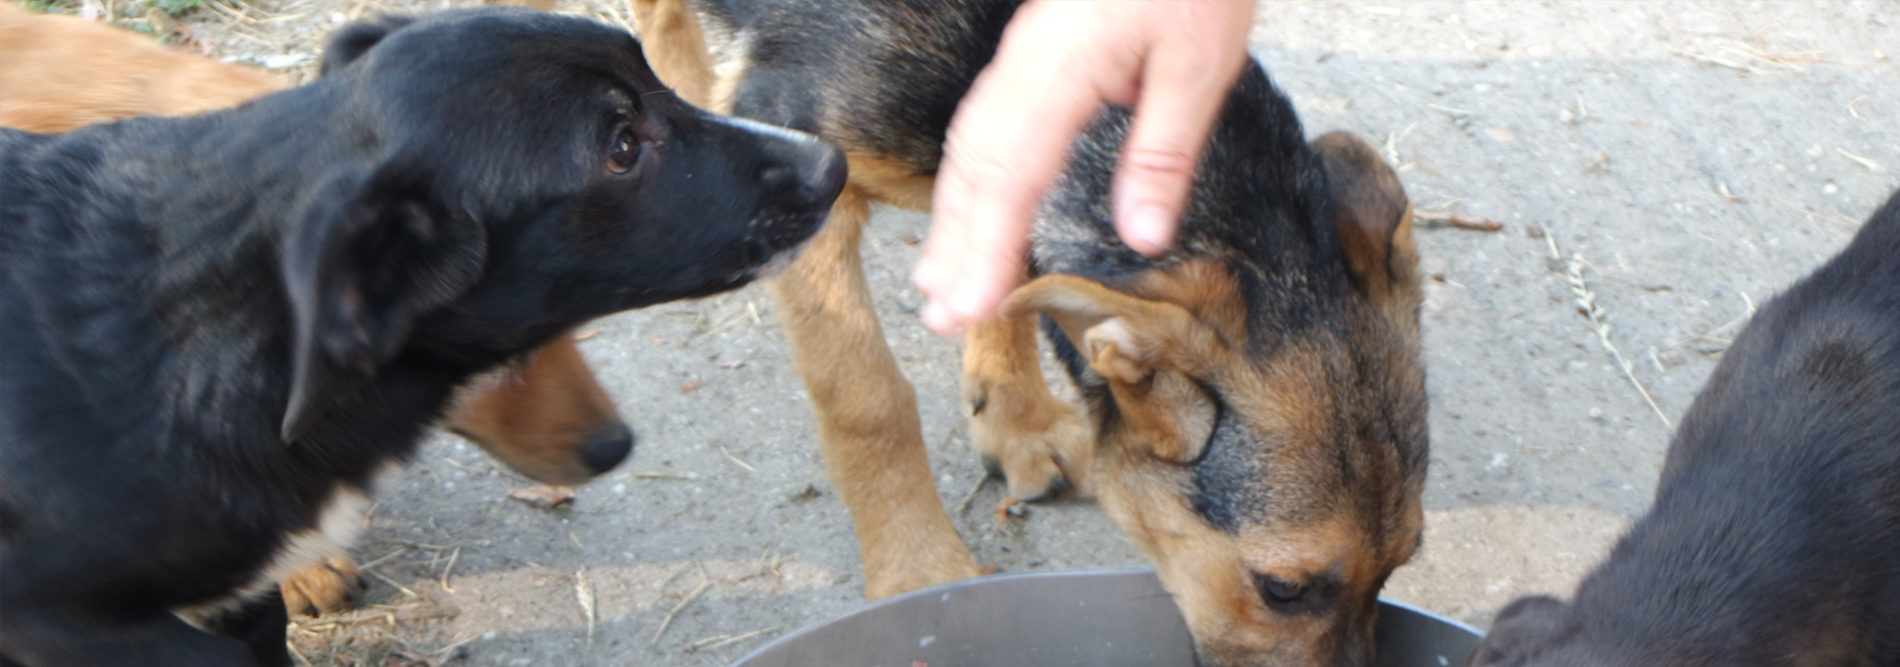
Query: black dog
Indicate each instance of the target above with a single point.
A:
(217, 329)
(1775, 536)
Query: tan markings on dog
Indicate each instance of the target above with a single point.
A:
(890, 182)
(540, 5)
(1039, 441)
(536, 416)
(870, 435)
(1161, 341)
(676, 50)
(871, 438)
(1160, 344)
(330, 586)
(338, 524)
(1374, 221)
(61, 72)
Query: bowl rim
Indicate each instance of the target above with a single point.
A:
(939, 589)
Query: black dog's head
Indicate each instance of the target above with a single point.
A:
(509, 174)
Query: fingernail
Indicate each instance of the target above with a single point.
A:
(1152, 225)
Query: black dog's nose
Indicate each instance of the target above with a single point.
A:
(607, 449)
(808, 170)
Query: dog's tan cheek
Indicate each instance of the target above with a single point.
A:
(1199, 565)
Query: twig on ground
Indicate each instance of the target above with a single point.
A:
(1465, 222)
(705, 582)
(964, 504)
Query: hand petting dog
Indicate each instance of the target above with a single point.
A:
(1058, 63)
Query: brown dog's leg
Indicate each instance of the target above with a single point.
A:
(330, 586)
(867, 413)
(1040, 444)
(675, 49)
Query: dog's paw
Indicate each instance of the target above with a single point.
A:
(1038, 444)
(327, 587)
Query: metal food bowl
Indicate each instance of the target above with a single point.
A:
(1093, 617)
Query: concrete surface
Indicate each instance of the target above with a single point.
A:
(1675, 161)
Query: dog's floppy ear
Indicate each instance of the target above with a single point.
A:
(350, 42)
(1373, 219)
(1150, 351)
(367, 255)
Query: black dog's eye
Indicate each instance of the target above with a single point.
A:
(1277, 591)
(624, 151)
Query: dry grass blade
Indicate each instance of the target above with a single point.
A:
(717, 641)
(450, 568)
(294, 653)
(405, 589)
(1862, 161)
(1391, 146)
(584, 594)
(735, 459)
(661, 474)
(1599, 321)
(964, 504)
(705, 582)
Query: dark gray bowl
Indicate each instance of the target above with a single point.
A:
(1094, 617)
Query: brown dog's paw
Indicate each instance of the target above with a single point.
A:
(327, 587)
(1038, 444)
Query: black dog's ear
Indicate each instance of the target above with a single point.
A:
(354, 39)
(1522, 630)
(368, 255)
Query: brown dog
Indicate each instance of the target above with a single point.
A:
(548, 419)
(1255, 402)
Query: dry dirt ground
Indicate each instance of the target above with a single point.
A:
(1657, 167)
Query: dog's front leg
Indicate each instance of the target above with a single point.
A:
(1040, 444)
(867, 413)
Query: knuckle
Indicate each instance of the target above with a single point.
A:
(1158, 161)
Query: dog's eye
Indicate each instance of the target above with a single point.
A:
(624, 151)
(1277, 591)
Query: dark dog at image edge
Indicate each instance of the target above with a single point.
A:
(219, 328)
(1255, 402)
(1775, 534)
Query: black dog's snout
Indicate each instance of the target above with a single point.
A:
(607, 449)
(808, 172)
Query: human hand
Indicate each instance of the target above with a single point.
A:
(1058, 63)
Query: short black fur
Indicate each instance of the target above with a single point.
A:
(216, 325)
(1775, 534)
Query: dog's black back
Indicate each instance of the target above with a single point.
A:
(218, 327)
(1775, 534)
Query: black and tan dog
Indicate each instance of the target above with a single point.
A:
(1775, 535)
(1256, 403)
(219, 328)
